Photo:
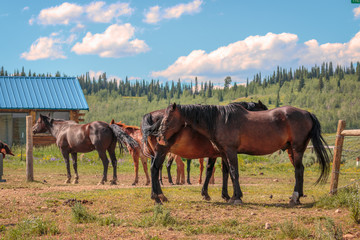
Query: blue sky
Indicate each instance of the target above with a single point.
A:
(168, 40)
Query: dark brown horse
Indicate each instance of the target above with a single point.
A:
(232, 130)
(72, 138)
(4, 149)
(186, 143)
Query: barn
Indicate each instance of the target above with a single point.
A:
(61, 97)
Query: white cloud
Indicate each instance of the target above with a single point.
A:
(43, 48)
(97, 12)
(356, 12)
(63, 14)
(259, 53)
(68, 13)
(115, 42)
(155, 14)
(25, 8)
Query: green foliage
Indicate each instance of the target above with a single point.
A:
(32, 227)
(327, 229)
(161, 217)
(110, 220)
(290, 230)
(81, 215)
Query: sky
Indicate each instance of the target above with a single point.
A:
(169, 40)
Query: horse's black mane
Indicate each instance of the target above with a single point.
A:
(209, 114)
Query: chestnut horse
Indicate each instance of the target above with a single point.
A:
(136, 153)
(232, 129)
(187, 143)
(72, 138)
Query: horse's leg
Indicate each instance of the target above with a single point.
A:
(180, 169)
(212, 179)
(135, 157)
(188, 165)
(74, 159)
(144, 163)
(160, 174)
(168, 168)
(234, 174)
(105, 162)
(299, 178)
(67, 163)
(156, 164)
(225, 172)
(201, 161)
(209, 170)
(112, 155)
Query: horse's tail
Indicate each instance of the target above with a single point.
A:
(319, 144)
(123, 138)
(149, 128)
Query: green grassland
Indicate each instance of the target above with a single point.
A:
(49, 209)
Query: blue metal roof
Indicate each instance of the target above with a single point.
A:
(41, 93)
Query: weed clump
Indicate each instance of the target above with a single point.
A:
(161, 217)
(32, 227)
(81, 215)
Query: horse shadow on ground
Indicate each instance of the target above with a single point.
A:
(257, 205)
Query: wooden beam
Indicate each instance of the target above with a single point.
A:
(337, 157)
(353, 132)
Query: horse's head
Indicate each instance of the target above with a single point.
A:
(171, 123)
(259, 106)
(42, 125)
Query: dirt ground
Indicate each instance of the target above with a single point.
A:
(20, 199)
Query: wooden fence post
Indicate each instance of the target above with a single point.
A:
(337, 157)
(29, 150)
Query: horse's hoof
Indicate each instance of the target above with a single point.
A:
(113, 182)
(163, 198)
(67, 181)
(293, 203)
(207, 198)
(101, 183)
(147, 183)
(75, 181)
(231, 201)
(134, 184)
(238, 202)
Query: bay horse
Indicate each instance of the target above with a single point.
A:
(72, 138)
(136, 153)
(232, 129)
(187, 143)
(251, 106)
(4, 149)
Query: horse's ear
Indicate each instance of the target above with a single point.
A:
(49, 115)
(173, 106)
(112, 121)
(260, 103)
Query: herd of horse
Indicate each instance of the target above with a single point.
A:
(196, 132)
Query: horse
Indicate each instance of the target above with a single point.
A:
(136, 153)
(4, 149)
(232, 129)
(187, 143)
(72, 138)
(251, 106)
